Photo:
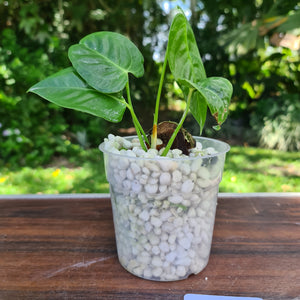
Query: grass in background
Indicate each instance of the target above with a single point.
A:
(250, 170)
(246, 170)
(81, 174)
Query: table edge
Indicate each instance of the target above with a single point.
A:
(90, 196)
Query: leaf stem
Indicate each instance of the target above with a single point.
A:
(170, 143)
(139, 130)
(155, 119)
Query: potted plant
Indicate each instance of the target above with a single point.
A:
(163, 184)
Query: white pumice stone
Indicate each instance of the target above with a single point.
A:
(165, 178)
(147, 273)
(176, 176)
(155, 174)
(132, 264)
(187, 186)
(126, 184)
(166, 165)
(143, 179)
(175, 199)
(203, 173)
(157, 231)
(129, 174)
(138, 152)
(166, 204)
(185, 169)
(203, 183)
(136, 186)
(180, 271)
(154, 212)
(152, 166)
(192, 253)
(156, 261)
(165, 215)
(186, 202)
(152, 180)
(172, 238)
(157, 272)
(156, 222)
(122, 174)
(110, 136)
(164, 237)
(162, 188)
(135, 168)
(130, 153)
(138, 271)
(185, 243)
(153, 151)
(196, 165)
(205, 205)
(146, 171)
(151, 188)
(153, 239)
(142, 198)
(170, 257)
(155, 250)
(178, 222)
(179, 210)
(176, 153)
(144, 215)
(192, 213)
(167, 227)
(200, 212)
(148, 227)
(172, 247)
(123, 163)
(164, 247)
(147, 247)
(193, 176)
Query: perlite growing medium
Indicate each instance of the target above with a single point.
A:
(163, 207)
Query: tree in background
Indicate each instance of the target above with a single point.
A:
(34, 38)
(256, 44)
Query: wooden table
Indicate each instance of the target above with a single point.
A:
(63, 247)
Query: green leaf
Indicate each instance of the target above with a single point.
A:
(217, 92)
(183, 54)
(198, 108)
(292, 22)
(198, 105)
(67, 89)
(104, 59)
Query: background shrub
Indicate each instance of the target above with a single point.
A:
(276, 122)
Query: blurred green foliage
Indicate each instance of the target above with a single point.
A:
(34, 38)
(280, 127)
(236, 40)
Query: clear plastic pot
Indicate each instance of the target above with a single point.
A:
(164, 210)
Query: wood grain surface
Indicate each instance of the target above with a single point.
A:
(65, 249)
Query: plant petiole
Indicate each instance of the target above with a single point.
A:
(173, 136)
(155, 119)
(139, 130)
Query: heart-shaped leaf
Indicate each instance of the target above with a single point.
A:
(67, 89)
(104, 59)
(216, 91)
(183, 54)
